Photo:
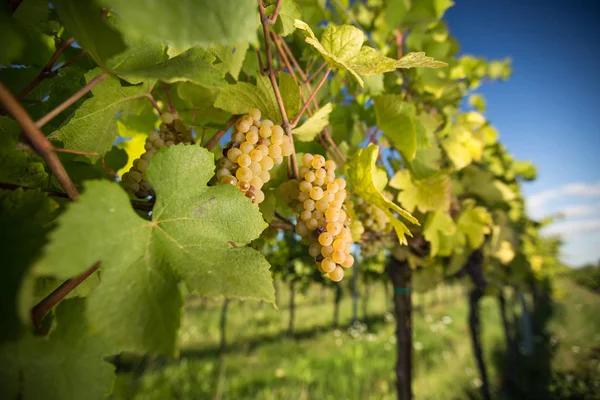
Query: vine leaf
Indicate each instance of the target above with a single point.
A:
(313, 125)
(67, 365)
(194, 65)
(429, 194)
(191, 238)
(83, 19)
(231, 57)
(93, 126)
(242, 97)
(438, 226)
(342, 47)
(188, 23)
(359, 171)
(396, 118)
(24, 218)
(474, 223)
(289, 12)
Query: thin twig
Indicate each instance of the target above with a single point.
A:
(286, 123)
(261, 66)
(71, 60)
(399, 41)
(312, 96)
(217, 136)
(281, 225)
(155, 104)
(38, 140)
(273, 18)
(167, 91)
(46, 72)
(67, 103)
(311, 76)
(39, 311)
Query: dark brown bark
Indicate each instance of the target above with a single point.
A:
(474, 296)
(365, 302)
(512, 365)
(290, 331)
(400, 274)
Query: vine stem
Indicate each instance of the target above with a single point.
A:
(279, 44)
(266, 21)
(310, 78)
(325, 134)
(217, 136)
(46, 71)
(273, 18)
(67, 103)
(38, 140)
(312, 96)
(39, 311)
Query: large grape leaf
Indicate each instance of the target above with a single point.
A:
(93, 126)
(83, 19)
(360, 170)
(194, 65)
(193, 237)
(67, 365)
(462, 147)
(314, 124)
(438, 226)
(481, 183)
(230, 57)
(11, 39)
(24, 218)
(242, 97)
(342, 48)
(429, 194)
(187, 23)
(396, 118)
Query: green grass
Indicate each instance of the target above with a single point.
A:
(346, 363)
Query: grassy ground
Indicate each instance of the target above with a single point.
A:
(347, 363)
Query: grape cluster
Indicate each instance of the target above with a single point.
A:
(256, 147)
(318, 197)
(172, 131)
(375, 223)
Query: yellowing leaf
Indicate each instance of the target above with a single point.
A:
(341, 46)
(429, 194)
(474, 223)
(313, 125)
(359, 172)
(438, 226)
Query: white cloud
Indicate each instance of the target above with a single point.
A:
(580, 210)
(569, 229)
(537, 203)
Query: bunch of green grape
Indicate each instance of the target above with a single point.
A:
(373, 225)
(172, 131)
(318, 198)
(256, 147)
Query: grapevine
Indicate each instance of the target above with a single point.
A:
(318, 199)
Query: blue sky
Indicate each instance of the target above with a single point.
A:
(549, 111)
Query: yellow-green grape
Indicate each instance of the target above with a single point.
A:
(318, 198)
(256, 147)
(172, 131)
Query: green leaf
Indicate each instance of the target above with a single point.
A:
(478, 102)
(141, 55)
(67, 365)
(429, 194)
(360, 169)
(438, 226)
(462, 147)
(84, 20)
(395, 117)
(194, 65)
(18, 167)
(339, 44)
(313, 125)
(24, 218)
(188, 23)
(231, 57)
(288, 13)
(474, 223)
(481, 183)
(93, 126)
(201, 99)
(191, 238)
(371, 62)
(12, 41)
(242, 97)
